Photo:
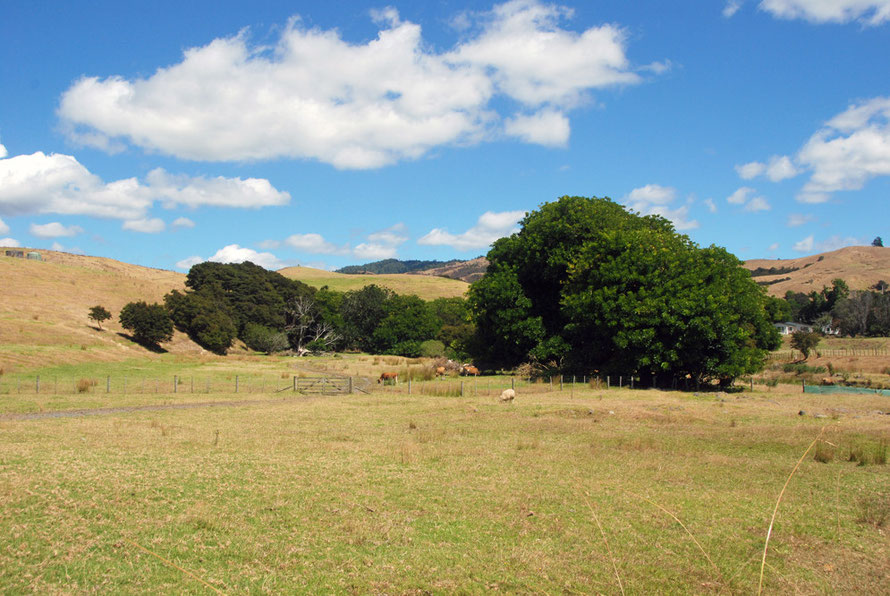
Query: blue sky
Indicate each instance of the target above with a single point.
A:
(335, 133)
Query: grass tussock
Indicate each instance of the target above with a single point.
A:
(84, 385)
(874, 509)
(868, 453)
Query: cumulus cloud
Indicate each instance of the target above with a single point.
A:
(852, 148)
(382, 244)
(314, 95)
(191, 191)
(145, 225)
(3, 152)
(314, 243)
(731, 7)
(189, 262)
(4, 229)
(745, 196)
(654, 199)
(709, 203)
(237, 254)
(547, 127)
(9, 243)
(55, 183)
(489, 227)
(799, 219)
(869, 12)
(777, 169)
(183, 222)
(809, 244)
(54, 230)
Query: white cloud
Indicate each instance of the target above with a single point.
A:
(314, 243)
(236, 254)
(740, 196)
(55, 183)
(4, 229)
(809, 244)
(750, 170)
(489, 227)
(799, 219)
(217, 192)
(9, 242)
(654, 199)
(547, 127)
(743, 196)
(183, 222)
(757, 204)
(54, 230)
(852, 148)
(773, 247)
(356, 105)
(383, 244)
(3, 152)
(57, 247)
(145, 225)
(188, 262)
(777, 169)
(709, 203)
(731, 7)
(870, 12)
(780, 168)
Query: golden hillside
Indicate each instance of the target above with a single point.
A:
(428, 288)
(859, 266)
(45, 305)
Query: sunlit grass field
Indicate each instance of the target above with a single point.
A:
(580, 491)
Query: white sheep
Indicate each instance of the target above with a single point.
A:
(508, 395)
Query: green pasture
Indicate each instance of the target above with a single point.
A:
(580, 491)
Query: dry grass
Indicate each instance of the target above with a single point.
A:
(410, 494)
(426, 287)
(860, 266)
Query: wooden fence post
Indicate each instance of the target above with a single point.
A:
(108, 384)
(350, 385)
(175, 383)
(236, 383)
(38, 383)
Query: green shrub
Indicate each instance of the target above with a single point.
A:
(264, 339)
(432, 348)
(150, 324)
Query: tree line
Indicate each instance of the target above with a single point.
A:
(272, 313)
(837, 308)
(585, 287)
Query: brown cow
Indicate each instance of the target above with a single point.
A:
(469, 370)
(440, 371)
(388, 376)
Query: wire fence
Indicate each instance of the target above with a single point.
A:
(269, 384)
(829, 353)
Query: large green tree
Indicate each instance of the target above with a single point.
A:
(150, 324)
(586, 285)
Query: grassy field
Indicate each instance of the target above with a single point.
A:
(580, 491)
(427, 287)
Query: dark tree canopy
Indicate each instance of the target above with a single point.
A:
(588, 286)
(877, 242)
(805, 341)
(150, 324)
(99, 314)
(251, 293)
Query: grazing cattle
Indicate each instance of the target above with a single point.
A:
(469, 370)
(440, 371)
(388, 376)
(827, 381)
(508, 395)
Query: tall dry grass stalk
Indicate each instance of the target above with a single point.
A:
(682, 525)
(605, 541)
(172, 564)
(776, 509)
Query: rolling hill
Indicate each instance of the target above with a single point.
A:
(860, 266)
(427, 287)
(44, 313)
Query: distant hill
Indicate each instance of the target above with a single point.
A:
(860, 266)
(387, 266)
(468, 271)
(427, 287)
